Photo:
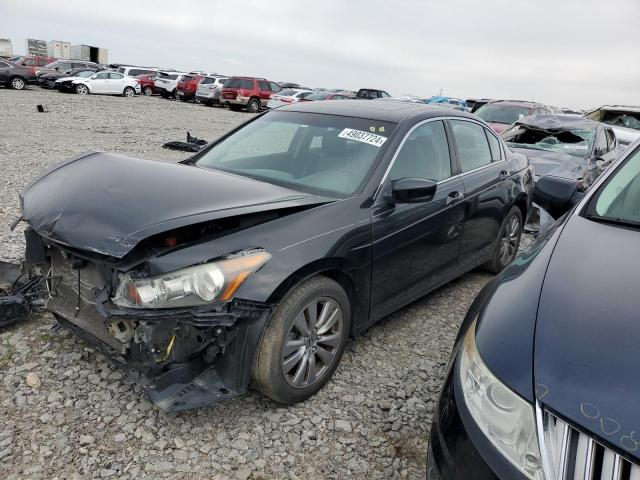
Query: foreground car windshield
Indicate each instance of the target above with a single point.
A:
(617, 118)
(303, 151)
(619, 198)
(574, 142)
(501, 113)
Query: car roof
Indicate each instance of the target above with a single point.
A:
(386, 111)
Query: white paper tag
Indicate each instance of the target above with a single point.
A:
(364, 137)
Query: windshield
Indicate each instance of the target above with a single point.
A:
(317, 96)
(304, 151)
(52, 64)
(617, 118)
(619, 198)
(574, 142)
(502, 113)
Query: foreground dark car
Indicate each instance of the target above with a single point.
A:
(563, 146)
(16, 76)
(259, 257)
(543, 381)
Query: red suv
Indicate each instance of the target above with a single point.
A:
(34, 63)
(249, 92)
(186, 89)
(147, 85)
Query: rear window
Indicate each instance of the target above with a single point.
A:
(245, 83)
(617, 118)
(187, 78)
(207, 80)
(502, 113)
(121, 70)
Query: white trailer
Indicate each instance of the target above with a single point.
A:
(5, 48)
(89, 53)
(59, 49)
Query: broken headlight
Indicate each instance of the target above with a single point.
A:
(191, 286)
(507, 420)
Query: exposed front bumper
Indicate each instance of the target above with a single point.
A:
(458, 449)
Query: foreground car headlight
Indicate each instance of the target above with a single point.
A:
(187, 287)
(507, 420)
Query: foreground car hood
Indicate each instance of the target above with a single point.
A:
(107, 203)
(553, 163)
(588, 331)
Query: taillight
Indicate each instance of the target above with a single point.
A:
(286, 100)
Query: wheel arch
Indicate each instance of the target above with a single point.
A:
(522, 203)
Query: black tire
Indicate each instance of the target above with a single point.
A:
(81, 89)
(254, 105)
(508, 242)
(17, 83)
(148, 91)
(164, 94)
(269, 363)
(234, 107)
(129, 92)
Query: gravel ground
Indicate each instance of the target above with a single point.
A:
(65, 412)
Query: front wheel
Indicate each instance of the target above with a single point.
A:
(508, 242)
(303, 341)
(129, 92)
(82, 89)
(17, 83)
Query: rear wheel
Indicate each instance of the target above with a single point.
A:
(254, 105)
(82, 89)
(129, 92)
(148, 91)
(508, 242)
(303, 341)
(17, 83)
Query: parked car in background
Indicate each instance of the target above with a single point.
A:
(67, 85)
(147, 84)
(449, 101)
(131, 71)
(166, 82)
(543, 381)
(248, 92)
(261, 255)
(475, 103)
(35, 62)
(16, 76)
(625, 121)
(210, 89)
(65, 66)
(502, 113)
(48, 80)
(371, 93)
(564, 146)
(324, 96)
(187, 87)
(287, 97)
(107, 83)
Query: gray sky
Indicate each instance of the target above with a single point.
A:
(577, 53)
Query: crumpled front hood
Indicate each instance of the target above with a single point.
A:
(553, 163)
(588, 331)
(107, 203)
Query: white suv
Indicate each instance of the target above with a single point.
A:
(166, 83)
(135, 71)
(209, 89)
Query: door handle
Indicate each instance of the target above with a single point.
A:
(503, 175)
(453, 197)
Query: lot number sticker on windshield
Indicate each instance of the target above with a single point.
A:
(364, 137)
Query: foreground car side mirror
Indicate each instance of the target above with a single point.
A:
(412, 190)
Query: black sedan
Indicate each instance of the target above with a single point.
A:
(543, 381)
(16, 76)
(260, 256)
(48, 80)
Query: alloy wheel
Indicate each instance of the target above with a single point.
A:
(148, 91)
(509, 240)
(82, 89)
(312, 342)
(17, 83)
(253, 106)
(129, 92)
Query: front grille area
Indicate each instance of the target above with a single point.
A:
(572, 455)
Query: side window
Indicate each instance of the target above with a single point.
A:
(30, 63)
(494, 146)
(264, 86)
(384, 95)
(102, 75)
(601, 143)
(424, 154)
(611, 139)
(74, 65)
(275, 87)
(4, 65)
(116, 76)
(473, 147)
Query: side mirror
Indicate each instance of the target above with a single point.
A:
(57, 69)
(556, 192)
(412, 190)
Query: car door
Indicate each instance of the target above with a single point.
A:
(416, 246)
(485, 174)
(99, 82)
(5, 70)
(264, 91)
(115, 83)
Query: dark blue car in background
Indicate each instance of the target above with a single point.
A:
(544, 378)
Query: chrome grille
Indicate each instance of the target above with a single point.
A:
(569, 454)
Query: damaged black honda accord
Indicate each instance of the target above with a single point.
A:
(256, 259)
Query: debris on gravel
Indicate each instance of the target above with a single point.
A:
(66, 412)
